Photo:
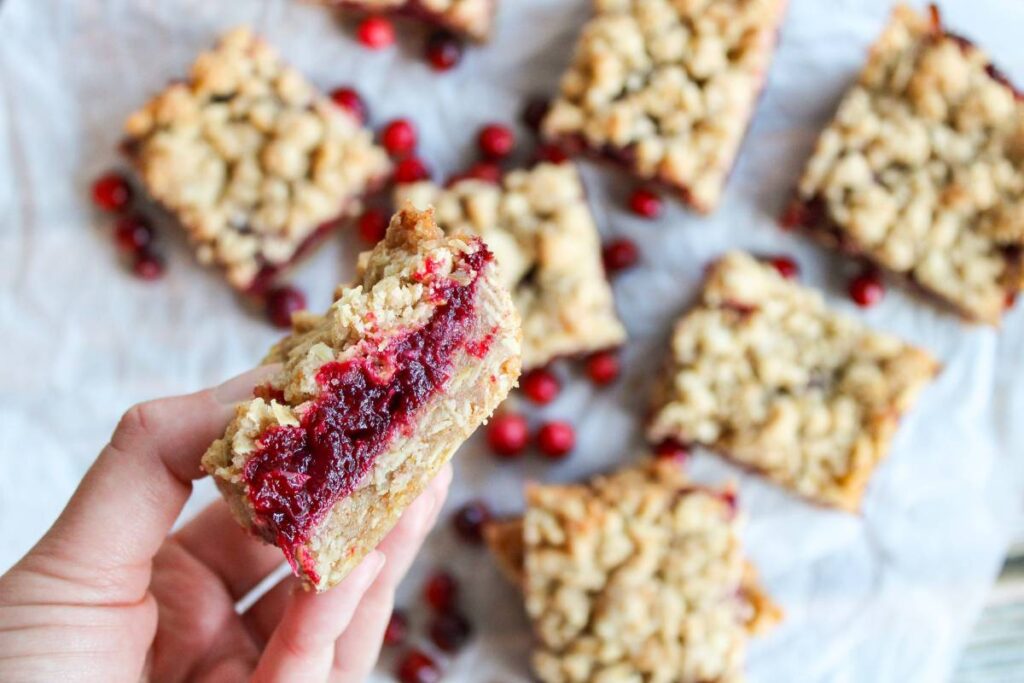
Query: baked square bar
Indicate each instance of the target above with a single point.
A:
(634, 576)
(543, 236)
(922, 169)
(371, 399)
(763, 373)
(667, 88)
(472, 18)
(255, 164)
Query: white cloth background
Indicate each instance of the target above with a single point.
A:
(887, 596)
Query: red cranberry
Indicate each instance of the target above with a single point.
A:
(148, 265)
(111, 192)
(282, 302)
(440, 591)
(534, 112)
(132, 233)
(1011, 299)
(787, 267)
(485, 171)
(376, 33)
(729, 497)
(410, 170)
(418, 667)
(450, 631)
(372, 225)
(495, 141)
(670, 449)
(540, 386)
(508, 434)
(867, 289)
(444, 50)
(645, 203)
(556, 439)
(470, 520)
(397, 629)
(349, 100)
(619, 254)
(399, 137)
(551, 153)
(603, 367)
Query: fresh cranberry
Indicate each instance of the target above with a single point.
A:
(397, 628)
(376, 33)
(556, 439)
(450, 631)
(787, 267)
(540, 386)
(470, 519)
(551, 153)
(603, 367)
(670, 449)
(619, 254)
(444, 50)
(418, 667)
(399, 137)
(534, 112)
(148, 265)
(349, 100)
(372, 225)
(441, 590)
(111, 192)
(282, 302)
(1011, 300)
(495, 141)
(132, 233)
(508, 434)
(410, 170)
(867, 289)
(645, 203)
(729, 497)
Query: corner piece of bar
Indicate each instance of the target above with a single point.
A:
(472, 18)
(372, 398)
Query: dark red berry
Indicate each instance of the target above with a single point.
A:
(282, 302)
(444, 50)
(148, 265)
(540, 386)
(399, 137)
(495, 141)
(645, 203)
(372, 225)
(729, 497)
(485, 171)
(867, 289)
(417, 667)
(349, 100)
(132, 233)
(397, 629)
(1011, 300)
(556, 439)
(787, 267)
(450, 631)
(111, 192)
(551, 153)
(376, 33)
(470, 519)
(440, 591)
(534, 112)
(670, 449)
(410, 170)
(619, 254)
(508, 434)
(603, 367)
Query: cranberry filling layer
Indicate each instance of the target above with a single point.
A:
(299, 472)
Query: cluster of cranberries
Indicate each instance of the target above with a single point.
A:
(133, 234)
(443, 49)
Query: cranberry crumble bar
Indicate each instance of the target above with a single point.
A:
(667, 88)
(922, 170)
(472, 18)
(255, 164)
(543, 236)
(371, 400)
(634, 576)
(763, 373)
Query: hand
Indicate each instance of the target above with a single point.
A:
(107, 595)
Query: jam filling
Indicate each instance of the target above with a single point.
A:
(298, 473)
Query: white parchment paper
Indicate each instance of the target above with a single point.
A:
(887, 596)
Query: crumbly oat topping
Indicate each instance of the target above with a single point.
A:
(636, 576)
(762, 372)
(472, 17)
(922, 169)
(250, 158)
(668, 87)
(543, 236)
